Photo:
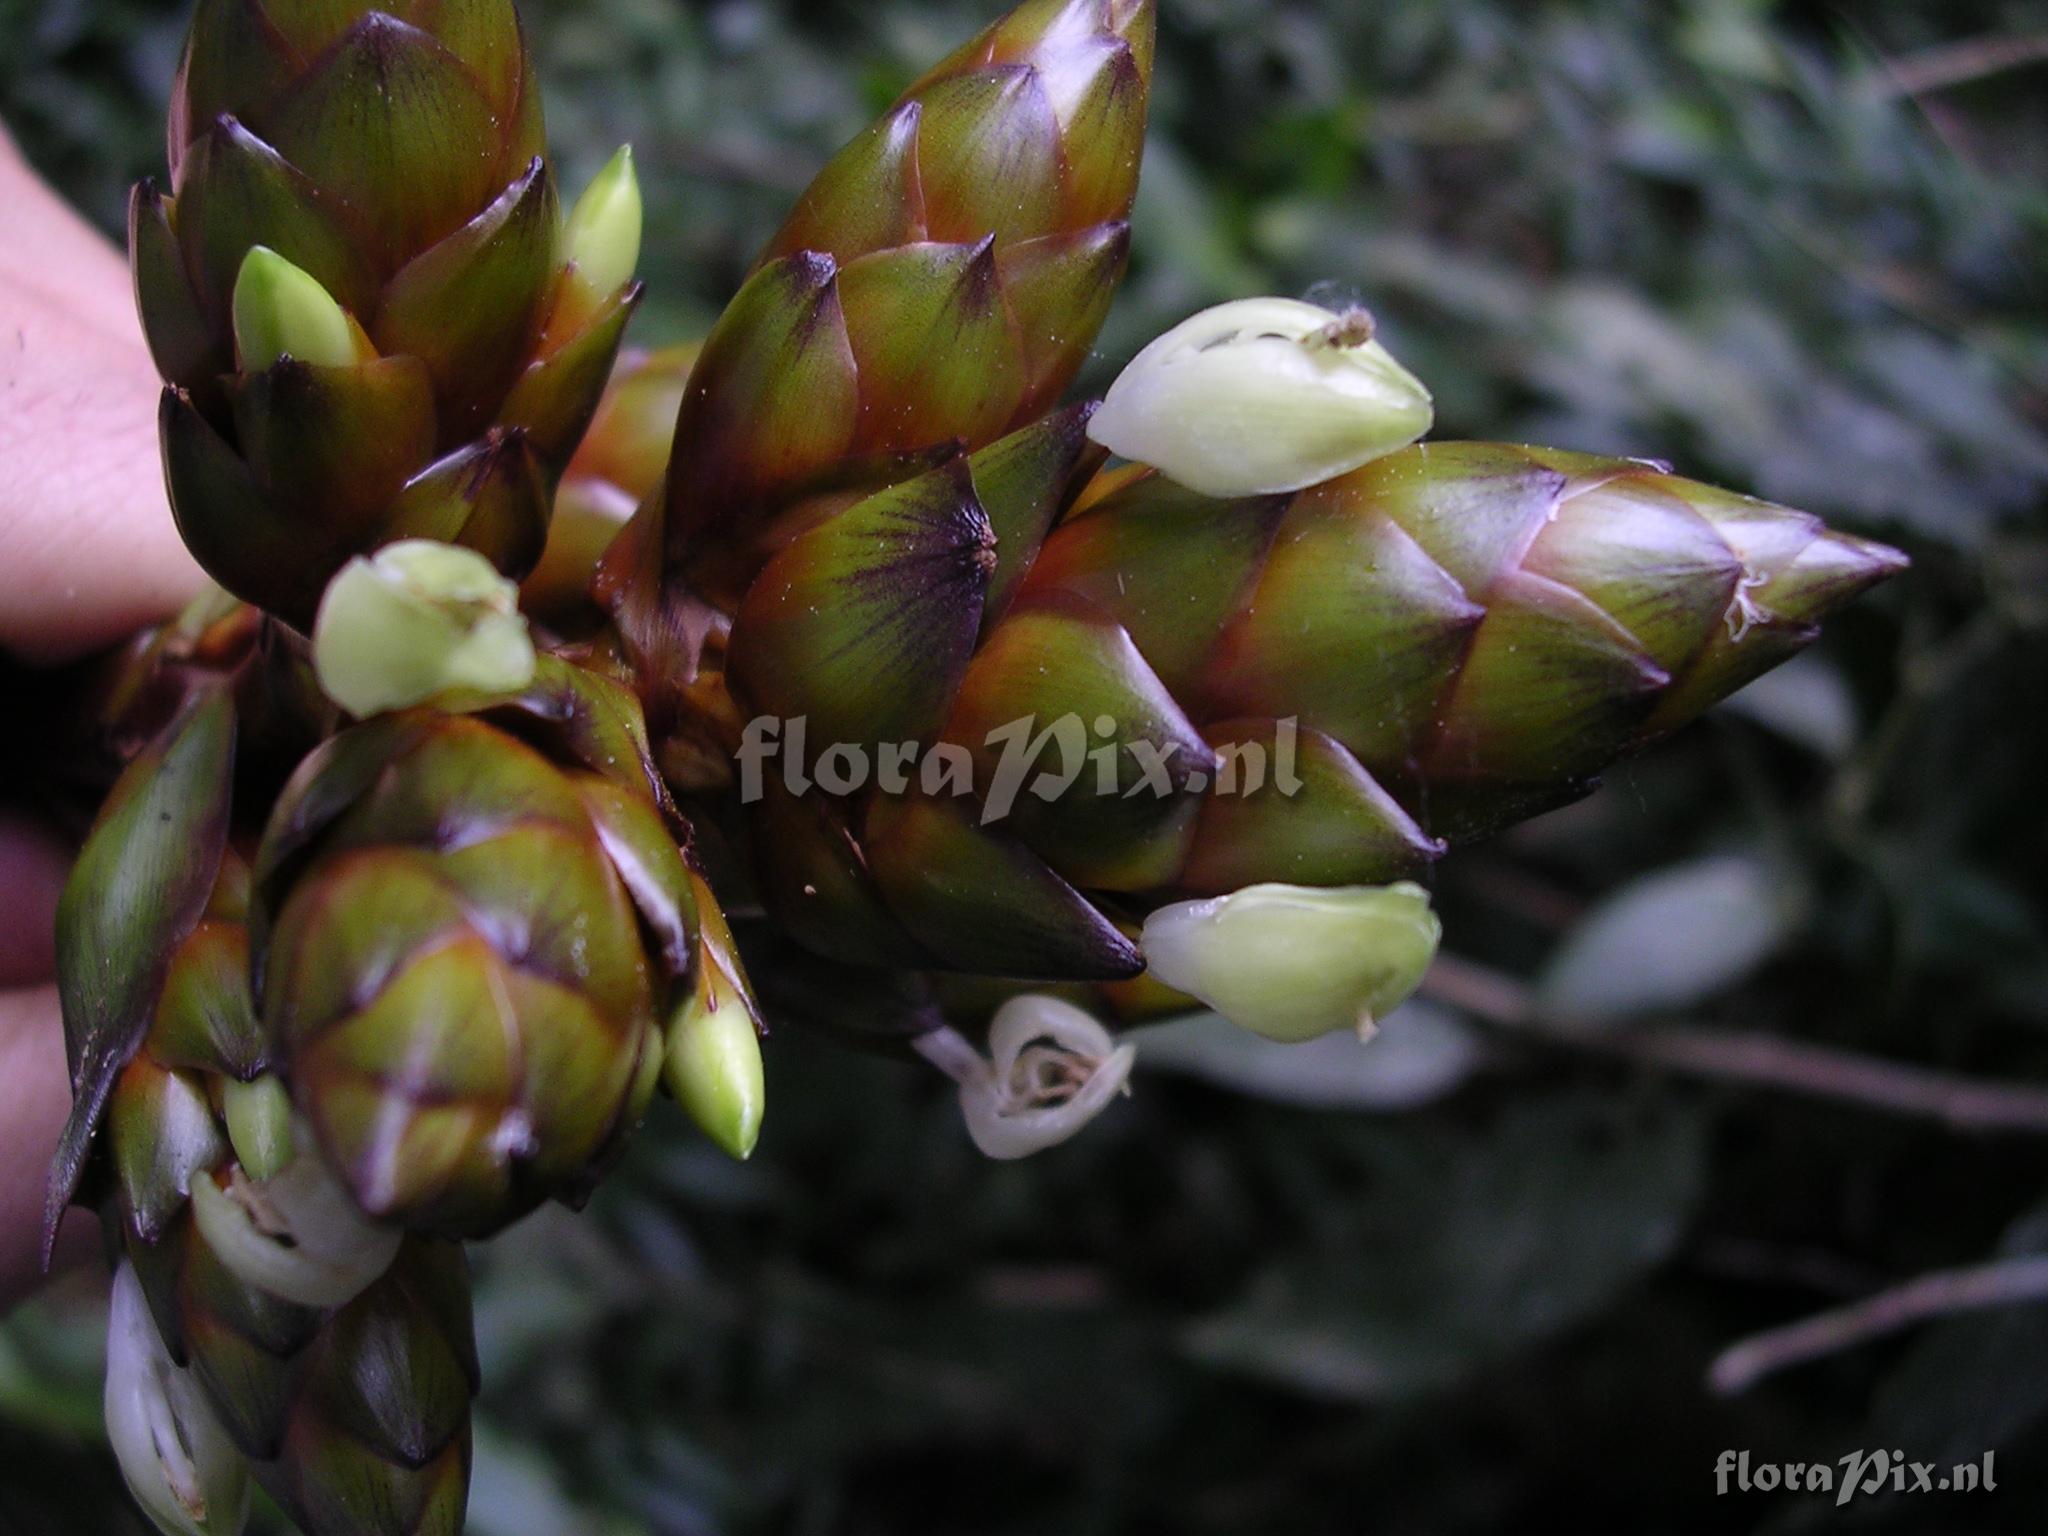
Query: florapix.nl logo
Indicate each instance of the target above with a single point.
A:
(1859, 1474)
(1066, 756)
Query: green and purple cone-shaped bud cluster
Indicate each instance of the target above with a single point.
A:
(351, 1409)
(1435, 645)
(941, 281)
(472, 928)
(1479, 628)
(871, 525)
(394, 157)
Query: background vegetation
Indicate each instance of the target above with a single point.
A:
(1472, 1279)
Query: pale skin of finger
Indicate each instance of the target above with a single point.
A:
(38, 1096)
(35, 1093)
(88, 551)
(33, 865)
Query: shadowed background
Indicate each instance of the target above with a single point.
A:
(1474, 1277)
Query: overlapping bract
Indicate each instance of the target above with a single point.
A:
(472, 928)
(1431, 647)
(940, 281)
(356, 1418)
(396, 155)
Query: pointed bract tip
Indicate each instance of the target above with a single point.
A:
(1880, 561)
(1828, 573)
(808, 271)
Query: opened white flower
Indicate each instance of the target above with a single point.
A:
(298, 1235)
(174, 1455)
(1262, 396)
(1050, 1070)
(1293, 962)
(416, 619)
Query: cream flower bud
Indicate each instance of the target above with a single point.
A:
(416, 619)
(601, 242)
(710, 1055)
(281, 310)
(174, 1455)
(1293, 962)
(1051, 1070)
(297, 1235)
(711, 1062)
(1262, 396)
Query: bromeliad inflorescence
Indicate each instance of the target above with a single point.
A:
(395, 923)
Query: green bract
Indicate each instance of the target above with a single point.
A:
(942, 279)
(1323, 688)
(251, 1357)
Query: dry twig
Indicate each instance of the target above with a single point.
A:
(1757, 1059)
(1940, 69)
(2001, 1283)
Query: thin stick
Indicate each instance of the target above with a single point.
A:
(1771, 1061)
(2001, 1283)
(1953, 64)
(1757, 1059)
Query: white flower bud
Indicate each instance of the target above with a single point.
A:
(298, 1236)
(1293, 962)
(1051, 1070)
(1262, 396)
(416, 619)
(176, 1458)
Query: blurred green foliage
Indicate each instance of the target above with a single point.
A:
(1475, 1285)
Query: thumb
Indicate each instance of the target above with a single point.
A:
(88, 551)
